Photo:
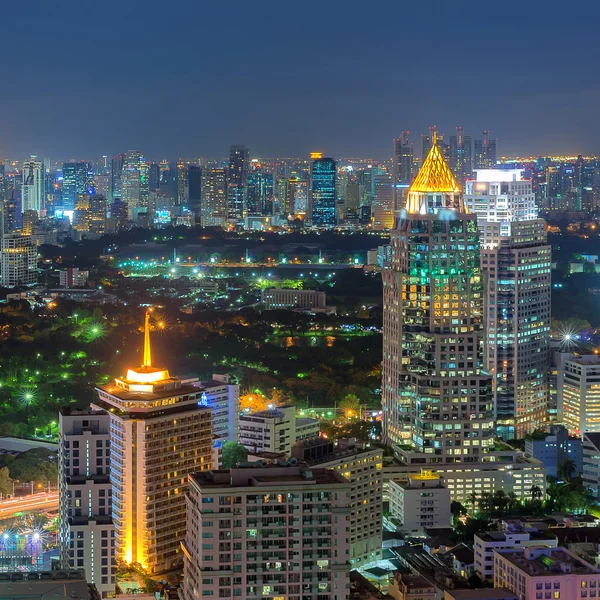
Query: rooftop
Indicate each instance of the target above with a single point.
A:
(540, 561)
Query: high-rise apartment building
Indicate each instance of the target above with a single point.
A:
(259, 200)
(213, 212)
(19, 260)
(515, 260)
(134, 181)
(75, 176)
(90, 214)
(182, 182)
(382, 209)
(86, 533)
(436, 395)
(485, 153)
(161, 431)
(403, 159)
(33, 187)
(237, 183)
(361, 465)
(267, 532)
(116, 177)
(323, 186)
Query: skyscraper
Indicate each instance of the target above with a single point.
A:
(116, 173)
(135, 190)
(382, 210)
(194, 186)
(33, 196)
(214, 198)
(436, 395)
(403, 159)
(485, 152)
(237, 182)
(75, 176)
(323, 186)
(181, 182)
(260, 194)
(515, 259)
(461, 150)
(160, 432)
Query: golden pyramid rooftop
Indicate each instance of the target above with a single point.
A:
(434, 177)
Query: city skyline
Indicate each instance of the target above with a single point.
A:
(331, 80)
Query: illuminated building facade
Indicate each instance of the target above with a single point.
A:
(515, 260)
(323, 186)
(485, 154)
(382, 210)
(436, 395)
(33, 188)
(237, 183)
(160, 432)
(578, 395)
(260, 194)
(75, 175)
(135, 184)
(87, 533)
(19, 260)
(213, 212)
(268, 532)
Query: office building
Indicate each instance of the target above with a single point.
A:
(75, 177)
(554, 572)
(135, 185)
(382, 209)
(516, 263)
(514, 535)
(436, 395)
(361, 466)
(506, 470)
(323, 186)
(116, 177)
(72, 277)
(259, 200)
(194, 194)
(213, 212)
(485, 154)
(280, 298)
(578, 396)
(554, 448)
(86, 533)
(160, 433)
(275, 430)
(267, 532)
(182, 183)
(461, 151)
(19, 260)
(403, 159)
(89, 216)
(33, 187)
(237, 183)
(591, 462)
(419, 502)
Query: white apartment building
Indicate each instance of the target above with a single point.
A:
(160, 432)
(72, 277)
(275, 430)
(516, 262)
(267, 532)
(420, 501)
(32, 190)
(223, 397)
(578, 397)
(509, 471)
(275, 298)
(540, 573)
(87, 533)
(19, 260)
(514, 535)
(361, 465)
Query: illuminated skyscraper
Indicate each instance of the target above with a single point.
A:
(382, 210)
(461, 150)
(436, 395)
(485, 152)
(160, 432)
(237, 183)
(181, 182)
(116, 173)
(260, 194)
(135, 184)
(33, 196)
(75, 176)
(515, 258)
(403, 167)
(194, 187)
(214, 198)
(323, 186)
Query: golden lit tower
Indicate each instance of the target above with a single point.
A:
(436, 397)
(160, 432)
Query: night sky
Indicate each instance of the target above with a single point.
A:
(83, 78)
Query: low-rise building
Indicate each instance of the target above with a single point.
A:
(42, 585)
(591, 462)
(539, 572)
(267, 532)
(361, 466)
(72, 277)
(509, 471)
(411, 587)
(480, 594)
(514, 534)
(420, 501)
(463, 560)
(278, 298)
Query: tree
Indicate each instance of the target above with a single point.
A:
(233, 454)
(5, 482)
(350, 406)
(536, 492)
(565, 469)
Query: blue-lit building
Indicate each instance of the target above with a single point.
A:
(323, 185)
(75, 176)
(555, 448)
(259, 200)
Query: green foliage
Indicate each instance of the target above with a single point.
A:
(38, 465)
(232, 454)
(5, 482)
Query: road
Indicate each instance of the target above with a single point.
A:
(42, 502)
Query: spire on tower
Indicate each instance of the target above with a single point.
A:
(147, 353)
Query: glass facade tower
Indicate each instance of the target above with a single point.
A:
(323, 185)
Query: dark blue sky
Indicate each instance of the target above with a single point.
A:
(83, 78)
